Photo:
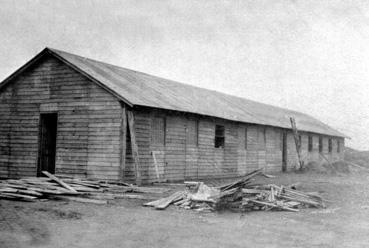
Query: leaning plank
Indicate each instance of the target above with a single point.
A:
(84, 200)
(123, 142)
(131, 124)
(59, 181)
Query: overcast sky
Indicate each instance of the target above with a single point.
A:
(311, 56)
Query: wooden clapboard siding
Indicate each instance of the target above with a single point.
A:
(175, 145)
(88, 123)
(241, 149)
(191, 150)
(89, 134)
(142, 126)
(229, 167)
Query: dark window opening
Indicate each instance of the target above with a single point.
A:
(338, 146)
(219, 136)
(300, 142)
(47, 143)
(320, 144)
(246, 138)
(310, 145)
(329, 145)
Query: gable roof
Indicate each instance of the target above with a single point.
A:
(141, 89)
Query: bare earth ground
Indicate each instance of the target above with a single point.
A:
(124, 223)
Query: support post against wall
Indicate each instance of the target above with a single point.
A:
(131, 125)
(123, 142)
(297, 142)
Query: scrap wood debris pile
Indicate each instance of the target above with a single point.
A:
(241, 195)
(72, 189)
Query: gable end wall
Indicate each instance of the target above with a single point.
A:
(88, 122)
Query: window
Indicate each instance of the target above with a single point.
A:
(310, 145)
(192, 132)
(281, 140)
(158, 131)
(219, 136)
(329, 145)
(338, 146)
(261, 138)
(300, 142)
(320, 144)
(246, 138)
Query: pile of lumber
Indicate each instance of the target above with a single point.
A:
(240, 195)
(72, 189)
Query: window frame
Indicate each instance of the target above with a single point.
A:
(330, 148)
(217, 137)
(164, 130)
(310, 143)
(338, 146)
(196, 132)
(246, 143)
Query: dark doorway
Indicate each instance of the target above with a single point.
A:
(47, 143)
(284, 151)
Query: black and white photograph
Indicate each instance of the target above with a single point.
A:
(184, 123)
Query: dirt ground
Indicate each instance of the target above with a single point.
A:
(124, 223)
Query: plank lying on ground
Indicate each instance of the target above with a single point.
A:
(274, 205)
(145, 189)
(241, 181)
(134, 196)
(23, 197)
(164, 202)
(80, 199)
(8, 190)
(58, 181)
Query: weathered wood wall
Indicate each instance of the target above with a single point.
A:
(179, 157)
(88, 123)
(89, 134)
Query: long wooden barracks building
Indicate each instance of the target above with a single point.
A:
(75, 116)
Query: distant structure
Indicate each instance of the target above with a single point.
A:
(75, 116)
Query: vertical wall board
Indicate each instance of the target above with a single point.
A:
(86, 118)
(230, 150)
(241, 150)
(206, 163)
(175, 146)
(191, 151)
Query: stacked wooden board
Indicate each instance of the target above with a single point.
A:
(240, 195)
(88, 191)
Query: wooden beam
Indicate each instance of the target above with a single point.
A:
(297, 142)
(131, 124)
(54, 178)
(123, 142)
(156, 164)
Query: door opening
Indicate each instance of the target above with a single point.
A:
(284, 151)
(47, 143)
